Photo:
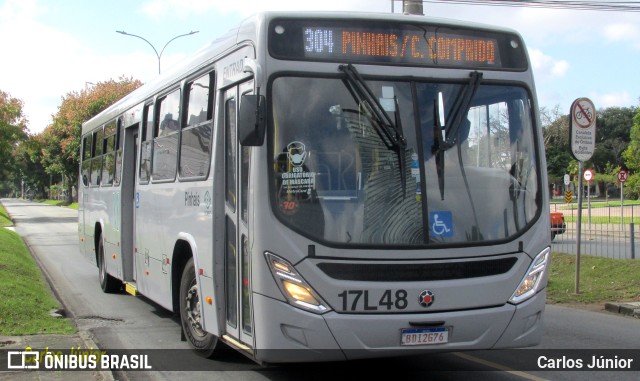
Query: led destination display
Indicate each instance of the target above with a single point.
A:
(401, 44)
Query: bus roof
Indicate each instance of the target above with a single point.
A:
(248, 30)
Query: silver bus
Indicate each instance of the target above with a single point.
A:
(329, 186)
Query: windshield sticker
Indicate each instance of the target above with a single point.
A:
(298, 180)
(441, 223)
(297, 183)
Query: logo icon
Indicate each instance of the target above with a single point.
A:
(426, 298)
(24, 359)
(207, 200)
(296, 153)
(441, 223)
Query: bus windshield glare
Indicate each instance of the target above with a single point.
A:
(462, 180)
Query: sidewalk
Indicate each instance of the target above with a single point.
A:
(52, 342)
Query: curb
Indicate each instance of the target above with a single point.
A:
(627, 309)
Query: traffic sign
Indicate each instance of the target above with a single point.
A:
(588, 175)
(567, 179)
(623, 175)
(568, 196)
(582, 125)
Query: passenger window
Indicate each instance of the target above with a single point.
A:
(108, 159)
(118, 144)
(145, 147)
(96, 162)
(168, 114)
(165, 144)
(230, 152)
(86, 159)
(195, 148)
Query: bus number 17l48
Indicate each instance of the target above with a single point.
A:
(360, 300)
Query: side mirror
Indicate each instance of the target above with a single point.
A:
(252, 120)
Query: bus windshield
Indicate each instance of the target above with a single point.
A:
(468, 172)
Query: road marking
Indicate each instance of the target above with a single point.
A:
(499, 367)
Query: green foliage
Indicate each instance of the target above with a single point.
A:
(25, 300)
(13, 129)
(617, 130)
(632, 153)
(632, 187)
(60, 142)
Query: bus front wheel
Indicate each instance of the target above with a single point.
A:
(204, 343)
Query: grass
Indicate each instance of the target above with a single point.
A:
(25, 299)
(5, 220)
(59, 203)
(601, 279)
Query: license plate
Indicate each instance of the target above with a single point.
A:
(424, 336)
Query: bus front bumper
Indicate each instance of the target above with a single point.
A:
(293, 335)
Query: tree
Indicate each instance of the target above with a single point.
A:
(13, 129)
(632, 153)
(612, 136)
(556, 142)
(632, 158)
(61, 140)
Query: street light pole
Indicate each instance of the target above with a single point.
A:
(159, 55)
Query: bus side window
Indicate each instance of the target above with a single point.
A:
(118, 164)
(145, 147)
(86, 159)
(96, 162)
(108, 162)
(195, 147)
(165, 142)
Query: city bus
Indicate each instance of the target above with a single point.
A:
(325, 186)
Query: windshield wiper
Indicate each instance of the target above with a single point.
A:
(461, 108)
(457, 114)
(390, 131)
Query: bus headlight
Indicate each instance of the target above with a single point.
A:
(293, 286)
(530, 284)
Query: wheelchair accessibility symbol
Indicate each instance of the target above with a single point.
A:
(441, 223)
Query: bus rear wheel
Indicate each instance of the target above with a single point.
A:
(205, 344)
(108, 283)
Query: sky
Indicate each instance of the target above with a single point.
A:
(49, 48)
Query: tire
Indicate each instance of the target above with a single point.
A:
(204, 344)
(108, 283)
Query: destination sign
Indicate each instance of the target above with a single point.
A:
(400, 44)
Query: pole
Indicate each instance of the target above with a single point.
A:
(579, 227)
(622, 206)
(632, 240)
(589, 203)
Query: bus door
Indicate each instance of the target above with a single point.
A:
(239, 322)
(128, 212)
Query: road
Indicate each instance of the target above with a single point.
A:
(120, 321)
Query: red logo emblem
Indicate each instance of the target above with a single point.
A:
(426, 298)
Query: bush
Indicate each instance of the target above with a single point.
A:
(632, 187)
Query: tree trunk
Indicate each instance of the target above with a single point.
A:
(70, 184)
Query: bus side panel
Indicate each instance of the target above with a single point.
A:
(153, 215)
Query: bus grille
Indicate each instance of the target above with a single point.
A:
(386, 272)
